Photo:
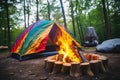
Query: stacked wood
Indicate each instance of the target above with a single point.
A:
(59, 57)
(85, 69)
(97, 64)
(94, 66)
(48, 58)
(101, 67)
(49, 65)
(90, 56)
(66, 68)
(57, 67)
(86, 56)
(94, 57)
(75, 69)
(104, 60)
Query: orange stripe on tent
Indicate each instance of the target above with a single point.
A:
(37, 42)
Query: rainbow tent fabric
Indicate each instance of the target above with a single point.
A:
(34, 38)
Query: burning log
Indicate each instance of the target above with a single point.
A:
(90, 56)
(66, 68)
(57, 67)
(81, 56)
(94, 57)
(71, 60)
(60, 57)
(85, 69)
(80, 53)
(97, 64)
(75, 69)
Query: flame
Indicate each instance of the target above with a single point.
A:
(67, 52)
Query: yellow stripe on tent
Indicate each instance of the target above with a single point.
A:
(38, 40)
(22, 41)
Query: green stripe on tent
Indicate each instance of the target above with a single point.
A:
(33, 34)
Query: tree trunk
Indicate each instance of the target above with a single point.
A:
(37, 16)
(80, 25)
(48, 6)
(65, 24)
(5, 35)
(107, 27)
(108, 11)
(72, 16)
(29, 4)
(8, 26)
(77, 21)
(24, 14)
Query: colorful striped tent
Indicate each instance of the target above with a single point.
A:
(33, 39)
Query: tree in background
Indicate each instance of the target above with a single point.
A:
(28, 10)
(107, 26)
(37, 15)
(63, 12)
(115, 18)
(48, 6)
(25, 13)
(72, 16)
(9, 20)
(84, 13)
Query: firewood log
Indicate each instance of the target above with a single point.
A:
(105, 62)
(85, 69)
(101, 67)
(66, 68)
(94, 57)
(45, 60)
(48, 58)
(86, 56)
(57, 67)
(60, 57)
(80, 54)
(49, 65)
(94, 66)
(75, 69)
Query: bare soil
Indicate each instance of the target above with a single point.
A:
(12, 69)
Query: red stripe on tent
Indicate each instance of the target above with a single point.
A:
(19, 41)
(42, 45)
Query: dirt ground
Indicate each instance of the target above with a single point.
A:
(12, 69)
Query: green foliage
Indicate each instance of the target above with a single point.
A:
(90, 13)
(86, 13)
(15, 32)
(115, 18)
(96, 20)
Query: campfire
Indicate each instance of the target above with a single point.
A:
(71, 60)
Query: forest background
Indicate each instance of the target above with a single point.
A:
(103, 15)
